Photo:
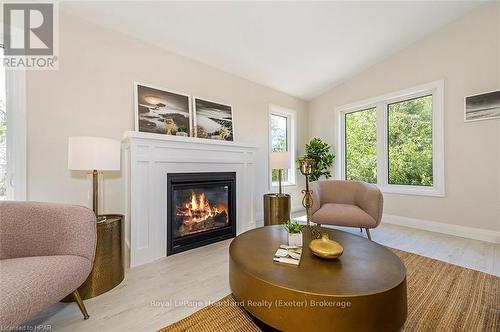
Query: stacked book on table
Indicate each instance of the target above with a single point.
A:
(288, 255)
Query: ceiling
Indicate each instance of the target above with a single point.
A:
(300, 48)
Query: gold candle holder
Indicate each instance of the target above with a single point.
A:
(306, 166)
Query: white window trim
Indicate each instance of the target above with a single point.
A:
(291, 116)
(437, 90)
(16, 133)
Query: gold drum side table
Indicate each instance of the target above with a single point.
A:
(277, 209)
(107, 271)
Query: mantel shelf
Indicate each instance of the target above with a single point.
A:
(159, 137)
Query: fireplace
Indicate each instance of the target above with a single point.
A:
(201, 209)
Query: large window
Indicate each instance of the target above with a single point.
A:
(282, 139)
(395, 141)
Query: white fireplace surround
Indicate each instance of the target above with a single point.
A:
(148, 158)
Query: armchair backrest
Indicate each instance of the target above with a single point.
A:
(364, 195)
(337, 191)
(46, 229)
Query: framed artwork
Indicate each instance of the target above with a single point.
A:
(162, 112)
(484, 106)
(213, 120)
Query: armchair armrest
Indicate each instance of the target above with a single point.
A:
(369, 198)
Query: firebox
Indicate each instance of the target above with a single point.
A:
(201, 209)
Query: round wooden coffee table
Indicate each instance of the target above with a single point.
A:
(363, 290)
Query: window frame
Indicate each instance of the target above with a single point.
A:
(436, 89)
(291, 138)
(15, 85)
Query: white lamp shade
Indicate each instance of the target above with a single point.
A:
(87, 153)
(280, 160)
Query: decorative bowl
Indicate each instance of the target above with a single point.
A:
(326, 248)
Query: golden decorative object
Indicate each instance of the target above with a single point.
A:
(306, 166)
(223, 133)
(169, 126)
(319, 294)
(201, 132)
(107, 271)
(326, 248)
(277, 209)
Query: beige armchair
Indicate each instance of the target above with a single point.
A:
(46, 253)
(347, 203)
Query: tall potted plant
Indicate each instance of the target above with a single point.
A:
(319, 151)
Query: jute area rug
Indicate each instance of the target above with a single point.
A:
(441, 297)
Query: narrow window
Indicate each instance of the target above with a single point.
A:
(282, 139)
(279, 141)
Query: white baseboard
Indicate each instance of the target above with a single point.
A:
(438, 227)
(259, 216)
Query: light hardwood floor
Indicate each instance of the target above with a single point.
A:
(157, 294)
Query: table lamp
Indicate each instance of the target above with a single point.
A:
(95, 154)
(280, 161)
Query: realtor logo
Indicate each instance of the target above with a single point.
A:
(36, 21)
(29, 35)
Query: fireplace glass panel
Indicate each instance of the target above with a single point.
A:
(200, 209)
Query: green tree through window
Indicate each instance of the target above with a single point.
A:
(410, 142)
(361, 145)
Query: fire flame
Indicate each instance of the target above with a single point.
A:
(198, 209)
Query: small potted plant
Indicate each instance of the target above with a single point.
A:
(216, 135)
(294, 230)
(182, 131)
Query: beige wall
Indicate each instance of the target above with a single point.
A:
(92, 94)
(466, 55)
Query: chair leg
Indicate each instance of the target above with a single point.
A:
(361, 230)
(368, 233)
(80, 303)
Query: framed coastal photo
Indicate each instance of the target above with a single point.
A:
(213, 120)
(161, 112)
(484, 106)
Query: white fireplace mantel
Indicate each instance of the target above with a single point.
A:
(148, 158)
